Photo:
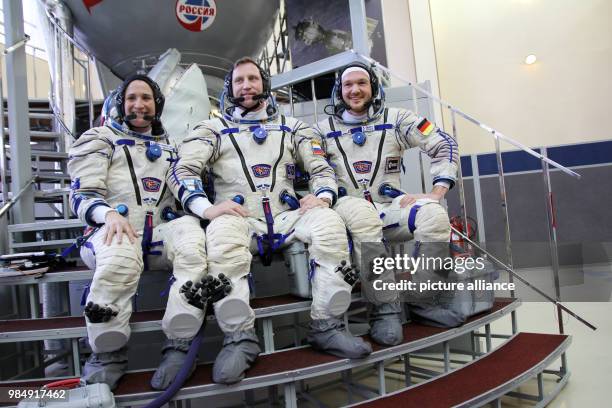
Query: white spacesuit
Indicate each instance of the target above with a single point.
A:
(366, 152)
(253, 158)
(113, 167)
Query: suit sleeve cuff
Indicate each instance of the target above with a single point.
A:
(326, 194)
(198, 205)
(98, 214)
(443, 183)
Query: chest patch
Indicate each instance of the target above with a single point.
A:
(362, 167)
(261, 170)
(392, 165)
(151, 184)
(290, 169)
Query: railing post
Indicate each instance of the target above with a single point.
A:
(291, 101)
(89, 93)
(504, 205)
(314, 100)
(551, 216)
(462, 208)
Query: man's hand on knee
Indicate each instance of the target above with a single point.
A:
(117, 224)
(226, 207)
(408, 199)
(312, 201)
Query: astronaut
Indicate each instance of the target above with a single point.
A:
(253, 153)
(365, 141)
(118, 188)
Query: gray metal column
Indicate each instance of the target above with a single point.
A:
(359, 27)
(17, 101)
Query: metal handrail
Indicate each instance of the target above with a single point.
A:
(9, 204)
(523, 280)
(74, 42)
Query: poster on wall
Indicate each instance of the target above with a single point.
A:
(321, 28)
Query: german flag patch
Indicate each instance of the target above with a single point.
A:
(425, 127)
(316, 148)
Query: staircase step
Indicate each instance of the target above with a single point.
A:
(44, 155)
(147, 320)
(46, 177)
(37, 115)
(290, 366)
(485, 379)
(45, 225)
(38, 135)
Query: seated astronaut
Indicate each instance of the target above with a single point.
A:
(118, 188)
(253, 152)
(364, 141)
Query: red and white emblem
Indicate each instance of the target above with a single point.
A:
(196, 15)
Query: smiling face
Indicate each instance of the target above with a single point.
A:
(356, 91)
(247, 83)
(139, 101)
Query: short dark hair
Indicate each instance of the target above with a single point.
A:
(245, 60)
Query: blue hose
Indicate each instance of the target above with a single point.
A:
(183, 374)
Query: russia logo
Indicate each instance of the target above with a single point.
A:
(196, 15)
(151, 184)
(261, 170)
(362, 167)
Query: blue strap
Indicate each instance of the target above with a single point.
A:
(156, 243)
(251, 283)
(412, 218)
(85, 294)
(89, 245)
(147, 236)
(337, 133)
(230, 130)
(350, 241)
(260, 247)
(382, 126)
(311, 272)
(68, 250)
(126, 142)
(166, 291)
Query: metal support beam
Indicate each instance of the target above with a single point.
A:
(380, 369)
(407, 371)
(268, 335)
(446, 356)
(19, 128)
(478, 200)
(359, 27)
(290, 396)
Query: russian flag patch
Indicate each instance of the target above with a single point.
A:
(316, 148)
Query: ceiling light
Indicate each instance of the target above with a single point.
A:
(530, 59)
